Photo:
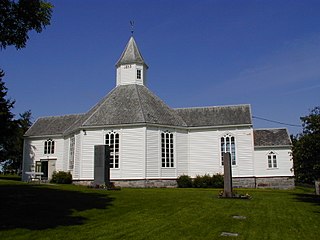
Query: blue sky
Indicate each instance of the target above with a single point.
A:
(200, 53)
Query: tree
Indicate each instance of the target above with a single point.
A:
(7, 124)
(306, 149)
(17, 18)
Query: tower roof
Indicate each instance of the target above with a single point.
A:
(131, 54)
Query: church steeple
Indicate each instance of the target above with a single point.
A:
(131, 68)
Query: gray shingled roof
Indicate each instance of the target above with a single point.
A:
(127, 104)
(46, 126)
(131, 54)
(271, 137)
(216, 116)
(130, 104)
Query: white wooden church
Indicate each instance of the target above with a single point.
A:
(152, 144)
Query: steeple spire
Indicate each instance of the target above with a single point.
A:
(131, 54)
(131, 67)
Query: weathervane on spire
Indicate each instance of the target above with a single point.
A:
(132, 27)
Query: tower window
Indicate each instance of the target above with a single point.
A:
(138, 73)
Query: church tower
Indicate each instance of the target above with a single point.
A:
(131, 68)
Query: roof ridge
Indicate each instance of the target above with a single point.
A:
(220, 106)
(277, 128)
(172, 110)
(97, 106)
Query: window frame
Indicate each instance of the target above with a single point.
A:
(228, 142)
(139, 74)
(112, 139)
(272, 160)
(49, 146)
(167, 149)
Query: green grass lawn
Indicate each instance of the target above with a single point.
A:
(74, 212)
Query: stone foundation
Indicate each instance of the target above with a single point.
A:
(264, 182)
(245, 182)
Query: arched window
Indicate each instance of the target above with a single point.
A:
(228, 145)
(167, 151)
(112, 140)
(49, 147)
(272, 160)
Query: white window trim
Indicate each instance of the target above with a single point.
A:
(272, 153)
(114, 149)
(173, 151)
(235, 149)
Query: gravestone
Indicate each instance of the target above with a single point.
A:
(227, 193)
(101, 165)
(317, 186)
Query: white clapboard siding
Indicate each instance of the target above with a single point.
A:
(169, 172)
(65, 164)
(244, 153)
(89, 140)
(34, 151)
(153, 153)
(132, 154)
(58, 153)
(182, 152)
(31, 154)
(284, 162)
(203, 152)
(77, 157)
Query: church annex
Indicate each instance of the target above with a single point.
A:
(152, 144)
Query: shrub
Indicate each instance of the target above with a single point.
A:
(197, 182)
(184, 181)
(217, 180)
(61, 177)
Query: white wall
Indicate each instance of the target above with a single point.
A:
(205, 155)
(182, 152)
(132, 153)
(34, 151)
(153, 162)
(284, 162)
(127, 74)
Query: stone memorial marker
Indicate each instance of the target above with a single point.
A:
(227, 193)
(101, 165)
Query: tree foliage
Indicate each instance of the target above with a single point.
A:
(11, 131)
(17, 18)
(7, 124)
(306, 149)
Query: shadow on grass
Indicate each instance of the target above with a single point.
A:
(10, 177)
(308, 198)
(41, 207)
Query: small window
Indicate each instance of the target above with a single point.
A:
(228, 145)
(167, 151)
(49, 147)
(272, 160)
(138, 73)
